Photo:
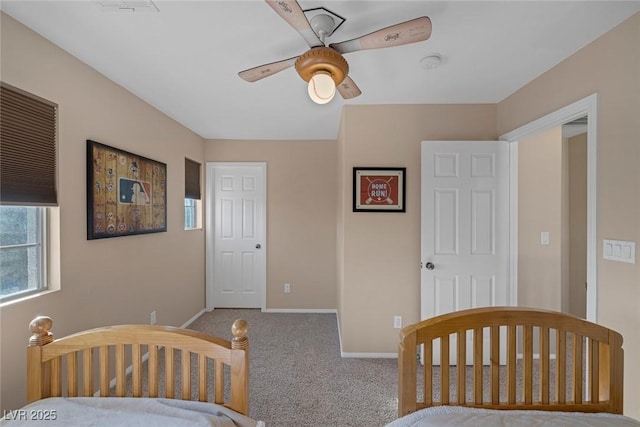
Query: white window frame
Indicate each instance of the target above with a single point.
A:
(42, 256)
(197, 215)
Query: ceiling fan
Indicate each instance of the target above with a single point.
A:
(324, 67)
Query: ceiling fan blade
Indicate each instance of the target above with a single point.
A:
(348, 88)
(412, 31)
(291, 12)
(256, 73)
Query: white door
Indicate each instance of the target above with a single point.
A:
(465, 228)
(236, 227)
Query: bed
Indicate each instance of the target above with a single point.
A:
(132, 375)
(520, 366)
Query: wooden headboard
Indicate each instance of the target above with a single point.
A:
(579, 363)
(67, 366)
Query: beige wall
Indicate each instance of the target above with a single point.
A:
(106, 281)
(540, 209)
(578, 224)
(552, 192)
(609, 66)
(301, 221)
(380, 264)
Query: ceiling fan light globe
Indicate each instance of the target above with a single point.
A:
(321, 87)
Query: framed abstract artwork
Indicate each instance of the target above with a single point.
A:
(126, 193)
(378, 189)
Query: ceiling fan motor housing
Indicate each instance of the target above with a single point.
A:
(322, 59)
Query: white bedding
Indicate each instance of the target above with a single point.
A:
(455, 416)
(124, 411)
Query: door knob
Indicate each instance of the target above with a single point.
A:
(430, 266)
(258, 246)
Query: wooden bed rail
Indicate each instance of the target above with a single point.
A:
(68, 366)
(516, 358)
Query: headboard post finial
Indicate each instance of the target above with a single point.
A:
(41, 329)
(239, 330)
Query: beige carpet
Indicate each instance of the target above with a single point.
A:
(298, 377)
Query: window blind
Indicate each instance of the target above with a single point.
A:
(27, 148)
(191, 179)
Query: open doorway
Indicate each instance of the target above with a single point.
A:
(574, 136)
(552, 230)
(585, 111)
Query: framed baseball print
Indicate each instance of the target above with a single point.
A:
(126, 193)
(378, 189)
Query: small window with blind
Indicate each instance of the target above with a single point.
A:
(28, 126)
(192, 216)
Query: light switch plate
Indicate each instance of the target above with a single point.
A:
(619, 250)
(544, 238)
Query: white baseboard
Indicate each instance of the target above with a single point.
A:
(339, 333)
(301, 310)
(194, 318)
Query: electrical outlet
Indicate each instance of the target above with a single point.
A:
(397, 322)
(154, 317)
(287, 288)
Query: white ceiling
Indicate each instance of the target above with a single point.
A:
(185, 58)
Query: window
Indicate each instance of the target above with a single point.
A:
(190, 218)
(28, 170)
(22, 251)
(191, 194)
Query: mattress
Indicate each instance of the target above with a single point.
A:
(455, 416)
(125, 411)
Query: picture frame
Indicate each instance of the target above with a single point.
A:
(379, 189)
(126, 193)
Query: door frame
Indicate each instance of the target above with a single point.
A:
(586, 106)
(210, 228)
